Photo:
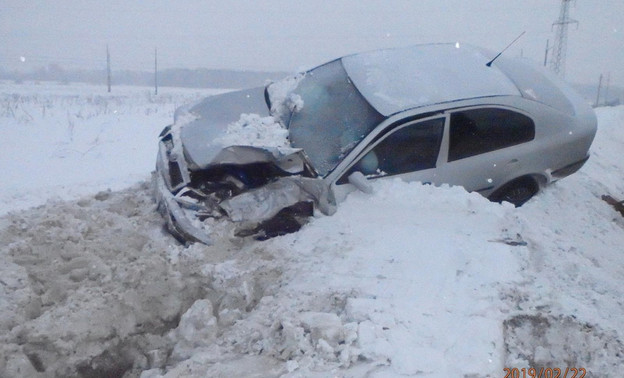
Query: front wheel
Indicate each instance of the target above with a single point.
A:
(516, 192)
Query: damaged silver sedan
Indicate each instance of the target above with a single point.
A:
(267, 158)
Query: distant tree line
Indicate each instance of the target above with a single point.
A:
(177, 77)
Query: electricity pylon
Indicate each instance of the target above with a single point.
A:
(557, 63)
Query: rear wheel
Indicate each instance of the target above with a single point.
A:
(516, 192)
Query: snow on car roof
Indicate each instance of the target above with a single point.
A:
(393, 80)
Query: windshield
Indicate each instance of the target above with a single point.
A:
(330, 116)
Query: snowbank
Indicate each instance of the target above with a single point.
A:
(411, 280)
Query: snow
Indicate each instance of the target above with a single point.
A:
(392, 80)
(283, 101)
(411, 280)
(254, 130)
(65, 141)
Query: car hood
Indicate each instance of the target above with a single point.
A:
(206, 121)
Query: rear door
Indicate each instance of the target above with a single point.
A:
(484, 146)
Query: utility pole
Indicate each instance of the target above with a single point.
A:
(557, 63)
(599, 88)
(606, 95)
(546, 53)
(108, 69)
(155, 71)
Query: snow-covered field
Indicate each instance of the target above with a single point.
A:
(412, 280)
(64, 141)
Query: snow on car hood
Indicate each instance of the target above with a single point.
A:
(254, 130)
(238, 118)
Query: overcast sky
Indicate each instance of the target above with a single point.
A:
(288, 35)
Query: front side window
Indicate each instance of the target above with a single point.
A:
(478, 131)
(411, 148)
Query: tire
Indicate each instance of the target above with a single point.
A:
(516, 192)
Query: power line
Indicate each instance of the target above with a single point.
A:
(557, 64)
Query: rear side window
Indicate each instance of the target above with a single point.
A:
(478, 131)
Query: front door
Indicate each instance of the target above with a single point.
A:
(410, 151)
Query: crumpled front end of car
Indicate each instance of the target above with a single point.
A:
(169, 180)
(264, 192)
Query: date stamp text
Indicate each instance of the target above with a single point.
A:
(569, 372)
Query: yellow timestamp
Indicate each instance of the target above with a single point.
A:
(569, 372)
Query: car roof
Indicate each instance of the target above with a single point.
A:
(393, 80)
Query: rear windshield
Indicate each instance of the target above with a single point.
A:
(536, 85)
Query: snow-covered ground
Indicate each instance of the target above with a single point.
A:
(412, 280)
(64, 141)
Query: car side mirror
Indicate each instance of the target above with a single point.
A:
(358, 180)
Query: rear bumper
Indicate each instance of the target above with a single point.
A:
(569, 169)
